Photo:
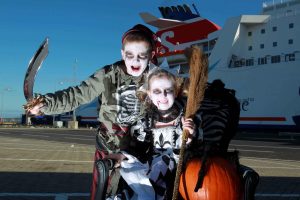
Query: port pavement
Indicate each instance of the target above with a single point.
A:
(275, 156)
(56, 164)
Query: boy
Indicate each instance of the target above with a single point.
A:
(115, 86)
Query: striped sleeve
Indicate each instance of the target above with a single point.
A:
(215, 117)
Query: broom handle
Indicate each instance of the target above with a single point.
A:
(198, 78)
(179, 165)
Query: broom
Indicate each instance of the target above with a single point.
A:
(197, 84)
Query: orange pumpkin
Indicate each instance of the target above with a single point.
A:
(221, 181)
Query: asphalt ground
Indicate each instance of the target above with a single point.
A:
(56, 164)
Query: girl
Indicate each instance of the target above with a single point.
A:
(149, 171)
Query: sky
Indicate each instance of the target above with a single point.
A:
(84, 35)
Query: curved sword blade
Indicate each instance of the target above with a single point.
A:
(34, 65)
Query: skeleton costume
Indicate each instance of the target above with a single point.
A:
(119, 104)
(161, 147)
(119, 108)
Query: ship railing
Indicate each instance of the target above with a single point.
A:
(278, 3)
(286, 14)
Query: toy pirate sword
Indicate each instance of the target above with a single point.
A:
(33, 67)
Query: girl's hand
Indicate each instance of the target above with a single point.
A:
(117, 157)
(189, 125)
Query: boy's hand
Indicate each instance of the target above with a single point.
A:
(34, 106)
(117, 157)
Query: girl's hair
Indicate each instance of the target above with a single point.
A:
(159, 73)
(140, 33)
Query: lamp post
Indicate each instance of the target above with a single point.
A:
(74, 82)
(74, 123)
(53, 116)
(8, 89)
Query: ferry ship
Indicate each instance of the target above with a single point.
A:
(256, 55)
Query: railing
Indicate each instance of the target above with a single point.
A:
(278, 3)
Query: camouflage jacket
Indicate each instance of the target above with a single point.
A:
(116, 91)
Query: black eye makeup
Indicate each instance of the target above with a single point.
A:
(142, 56)
(159, 91)
(156, 91)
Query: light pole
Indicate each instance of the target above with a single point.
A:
(8, 89)
(53, 116)
(74, 82)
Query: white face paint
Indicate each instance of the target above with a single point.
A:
(161, 92)
(136, 56)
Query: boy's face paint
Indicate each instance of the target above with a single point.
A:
(136, 56)
(161, 92)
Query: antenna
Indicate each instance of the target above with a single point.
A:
(74, 71)
(195, 8)
(74, 83)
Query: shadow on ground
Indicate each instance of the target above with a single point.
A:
(42, 183)
(269, 188)
(278, 188)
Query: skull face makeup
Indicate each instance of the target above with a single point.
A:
(136, 56)
(161, 92)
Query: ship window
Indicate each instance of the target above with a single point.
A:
(291, 41)
(249, 33)
(275, 59)
(249, 62)
(274, 44)
(291, 25)
(238, 63)
(262, 61)
(274, 28)
(290, 57)
(250, 48)
(212, 44)
(262, 31)
(262, 46)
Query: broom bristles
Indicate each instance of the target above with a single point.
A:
(198, 79)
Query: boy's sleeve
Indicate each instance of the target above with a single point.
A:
(72, 97)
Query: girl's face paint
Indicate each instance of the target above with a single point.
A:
(136, 56)
(161, 92)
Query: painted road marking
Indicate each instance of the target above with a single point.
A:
(40, 160)
(273, 147)
(287, 195)
(44, 144)
(76, 138)
(26, 134)
(65, 196)
(270, 160)
(58, 196)
(251, 150)
(71, 149)
(49, 133)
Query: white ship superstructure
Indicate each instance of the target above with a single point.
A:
(257, 55)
